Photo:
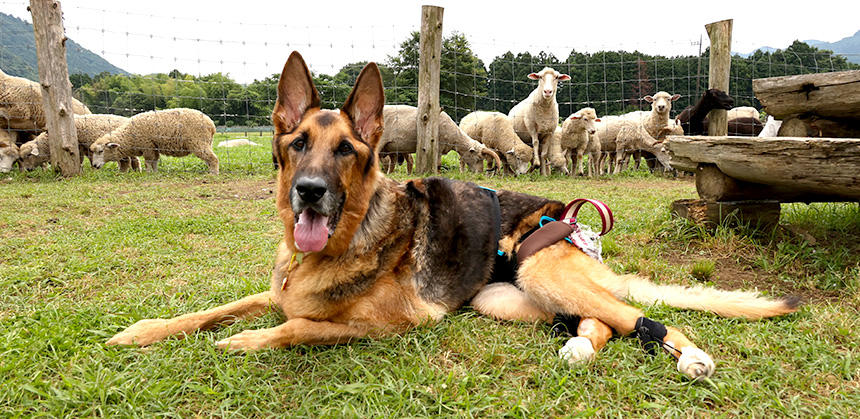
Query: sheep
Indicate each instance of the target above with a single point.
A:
(536, 117)
(633, 136)
(743, 112)
(593, 151)
(8, 151)
(400, 135)
(89, 128)
(174, 132)
(771, 127)
(693, 117)
(496, 131)
(388, 161)
(576, 131)
(652, 122)
(21, 106)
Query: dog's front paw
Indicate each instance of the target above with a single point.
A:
(576, 351)
(142, 333)
(695, 363)
(248, 340)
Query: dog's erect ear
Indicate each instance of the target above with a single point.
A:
(364, 104)
(296, 94)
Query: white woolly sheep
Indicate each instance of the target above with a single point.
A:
(652, 121)
(174, 132)
(8, 151)
(89, 128)
(536, 117)
(575, 133)
(743, 112)
(21, 104)
(556, 155)
(400, 136)
(496, 131)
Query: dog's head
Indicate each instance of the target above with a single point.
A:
(328, 164)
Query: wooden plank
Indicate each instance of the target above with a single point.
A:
(762, 214)
(829, 95)
(429, 68)
(720, 64)
(56, 88)
(817, 168)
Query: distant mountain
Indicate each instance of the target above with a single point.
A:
(849, 45)
(763, 49)
(18, 52)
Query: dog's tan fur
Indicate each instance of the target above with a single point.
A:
(370, 279)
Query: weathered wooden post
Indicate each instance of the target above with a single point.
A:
(429, 67)
(56, 87)
(719, 67)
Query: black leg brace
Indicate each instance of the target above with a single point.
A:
(651, 333)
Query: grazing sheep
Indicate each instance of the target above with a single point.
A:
(633, 136)
(743, 112)
(556, 155)
(496, 131)
(8, 151)
(693, 118)
(771, 127)
(400, 135)
(89, 128)
(21, 106)
(652, 122)
(174, 132)
(536, 117)
(576, 131)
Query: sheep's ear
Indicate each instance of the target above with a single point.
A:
(511, 151)
(364, 104)
(296, 94)
(563, 77)
(112, 145)
(597, 120)
(533, 76)
(675, 97)
(575, 116)
(648, 99)
(34, 151)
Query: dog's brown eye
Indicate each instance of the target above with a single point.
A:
(299, 144)
(345, 148)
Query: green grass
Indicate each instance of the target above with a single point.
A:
(82, 258)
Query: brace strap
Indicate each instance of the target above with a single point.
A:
(651, 333)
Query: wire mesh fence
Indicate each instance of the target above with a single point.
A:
(229, 71)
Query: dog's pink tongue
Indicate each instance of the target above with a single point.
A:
(311, 232)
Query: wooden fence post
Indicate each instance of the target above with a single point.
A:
(56, 87)
(429, 67)
(720, 64)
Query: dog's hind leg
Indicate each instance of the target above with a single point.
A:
(504, 301)
(562, 279)
(298, 331)
(148, 331)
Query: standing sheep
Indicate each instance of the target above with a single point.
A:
(8, 151)
(496, 131)
(576, 131)
(400, 136)
(21, 106)
(536, 117)
(174, 132)
(89, 128)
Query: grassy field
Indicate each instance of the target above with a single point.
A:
(82, 258)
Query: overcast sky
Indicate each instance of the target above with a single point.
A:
(251, 39)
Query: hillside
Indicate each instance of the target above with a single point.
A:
(18, 52)
(849, 45)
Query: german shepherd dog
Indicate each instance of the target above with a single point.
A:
(364, 256)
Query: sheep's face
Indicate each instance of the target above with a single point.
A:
(719, 99)
(8, 155)
(473, 159)
(661, 102)
(559, 163)
(30, 158)
(104, 152)
(585, 119)
(518, 160)
(548, 81)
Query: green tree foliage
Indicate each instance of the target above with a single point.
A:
(610, 81)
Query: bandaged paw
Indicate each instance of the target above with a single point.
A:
(695, 363)
(576, 351)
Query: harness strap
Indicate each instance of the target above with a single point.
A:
(549, 234)
(572, 209)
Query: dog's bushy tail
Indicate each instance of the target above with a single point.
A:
(746, 304)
